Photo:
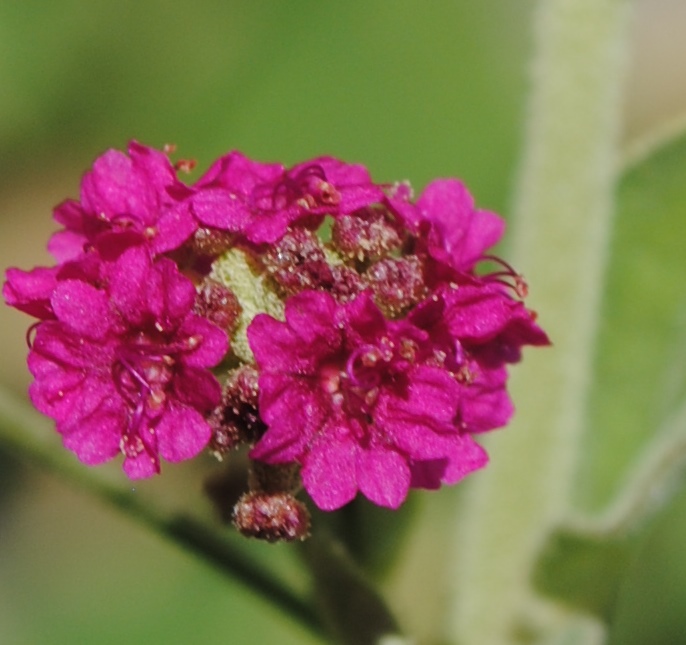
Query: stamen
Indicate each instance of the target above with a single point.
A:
(464, 375)
(156, 400)
(139, 378)
(459, 353)
(185, 165)
(520, 286)
(408, 349)
(191, 343)
(122, 221)
(368, 356)
(131, 446)
(31, 334)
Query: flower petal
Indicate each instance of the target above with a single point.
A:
(383, 477)
(221, 209)
(329, 474)
(465, 457)
(30, 291)
(96, 438)
(83, 308)
(115, 187)
(141, 466)
(293, 414)
(212, 342)
(182, 433)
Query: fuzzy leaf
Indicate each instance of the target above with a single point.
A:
(640, 367)
(584, 571)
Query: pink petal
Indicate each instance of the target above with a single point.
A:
(485, 404)
(30, 291)
(294, 416)
(428, 473)
(66, 245)
(383, 477)
(310, 315)
(238, 173)
(275, 344)
(196, 387)
(115, 187)
(465, 457)
(364, 322)
(96, 438)
(221, 209)
(267, 228)
(141, 467)
(129, 284)
(279, 346)
(417, 422)
(83, 308)
(70, 214)
(170, 294)
(58, 345)
(174, 226)
(182, 433)
(152, 164)
(212, 342)
(69, 396)
(329, 474)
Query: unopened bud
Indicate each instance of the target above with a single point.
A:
(273, 517)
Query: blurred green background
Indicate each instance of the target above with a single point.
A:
(412, 89)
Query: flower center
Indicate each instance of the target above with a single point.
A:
(142, 373)
(354, 384)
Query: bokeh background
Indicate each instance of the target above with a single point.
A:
(414, 90)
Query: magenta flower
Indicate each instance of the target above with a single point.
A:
(126, 200)
(343, 393)
(124, 368)
(453, 231)
(391, 357)
(474, 331)
(459, 233)
(260, 201)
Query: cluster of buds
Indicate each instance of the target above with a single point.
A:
(342, 331)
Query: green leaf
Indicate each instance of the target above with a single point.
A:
(584, 571)
(636, 439)
(639, 378)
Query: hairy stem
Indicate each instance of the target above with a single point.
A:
(562, 222)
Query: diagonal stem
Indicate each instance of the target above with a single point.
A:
(27, 434)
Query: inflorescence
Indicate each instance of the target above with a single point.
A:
(338, 328)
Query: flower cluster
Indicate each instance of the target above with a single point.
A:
(359, 345)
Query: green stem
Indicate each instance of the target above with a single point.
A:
(561, 228)
(29, 436)
(354, 610)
